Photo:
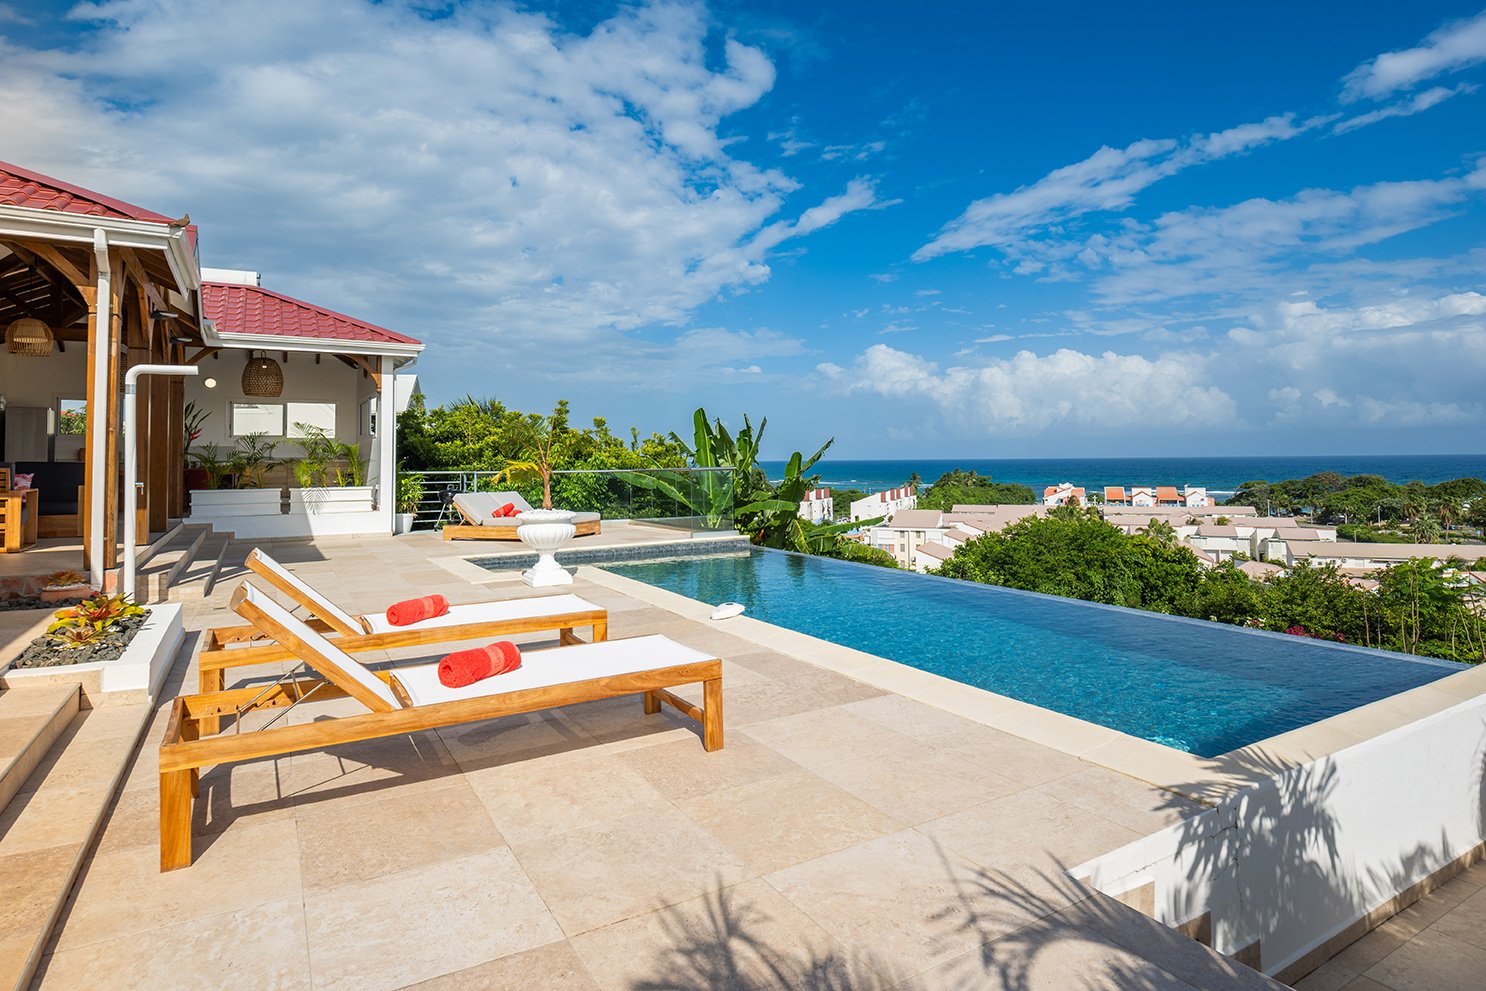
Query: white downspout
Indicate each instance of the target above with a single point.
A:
(387, 444)
(98, 426)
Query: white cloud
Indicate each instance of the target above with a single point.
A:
(1030, 394)
(1418, 103)
(1253, 247)
(1454, 46)
(1107, 180)
(484, 174)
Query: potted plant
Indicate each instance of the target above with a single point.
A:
(409, 494)
(331, 475)
(216, 472)
(253, 459)
(237, 483)
(62, 586)
(543, 444)
(196, 476)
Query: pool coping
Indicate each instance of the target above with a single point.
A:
(1207, 780)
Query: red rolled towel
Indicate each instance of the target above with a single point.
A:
(465, 667)
(416, 610)
(509, 509)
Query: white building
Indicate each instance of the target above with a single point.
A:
(885, 503)
(818, 506)
(1196, 496)
(1065, 494)
(906, 532)
(1142, 495)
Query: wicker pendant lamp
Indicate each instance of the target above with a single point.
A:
(29, 337)
(262, 376)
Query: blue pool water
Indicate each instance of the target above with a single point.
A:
(1205, 688)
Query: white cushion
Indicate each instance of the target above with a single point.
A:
(531, 607)
(555, 666)
(322, 606)
(341, 666)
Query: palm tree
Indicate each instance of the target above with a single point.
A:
(1426, 530)
(1163, 533)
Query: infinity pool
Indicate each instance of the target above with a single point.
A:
(1205, 688)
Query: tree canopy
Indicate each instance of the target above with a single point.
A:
(969, 488)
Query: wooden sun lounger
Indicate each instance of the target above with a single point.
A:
(239, 646)
(406, 700)
(471, 530)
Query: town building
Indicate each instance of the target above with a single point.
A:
(818, 506)
(880, 504)
(1064, 494)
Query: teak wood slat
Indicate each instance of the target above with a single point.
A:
(186, 750)
(472, 530)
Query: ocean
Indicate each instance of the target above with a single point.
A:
(1220, 476)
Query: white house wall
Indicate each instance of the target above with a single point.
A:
(42, 382)
(304, 381)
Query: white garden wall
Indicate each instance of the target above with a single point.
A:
(1296, 860)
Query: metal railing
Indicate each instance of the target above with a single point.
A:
(686, 498)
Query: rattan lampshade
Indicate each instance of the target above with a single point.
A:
(262, 376)
(29, 337)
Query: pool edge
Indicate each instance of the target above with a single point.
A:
(1207, 780)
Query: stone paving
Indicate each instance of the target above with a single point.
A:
(846, 837)
(1436, 944)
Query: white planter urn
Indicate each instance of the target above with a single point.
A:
(546, 531)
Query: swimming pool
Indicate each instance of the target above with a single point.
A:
(1205, 688)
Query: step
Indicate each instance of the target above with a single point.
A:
(153, 581)
(196, 581)
(49, 826)
(31, 719)
(172, 530)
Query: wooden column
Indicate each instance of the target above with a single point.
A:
(175, 443)
(111, 465)
(89, 292)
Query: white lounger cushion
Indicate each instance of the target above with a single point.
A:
(323, 606)
(556, 666)
(328, 660)
(490, 612)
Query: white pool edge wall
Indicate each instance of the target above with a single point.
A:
(1297, 866)
(1311, 838)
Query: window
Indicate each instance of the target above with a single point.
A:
(257, 418)
(320, 415)
(281, 419)
(369, 417)
(72, 416)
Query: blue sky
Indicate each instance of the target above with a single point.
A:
(946, 230)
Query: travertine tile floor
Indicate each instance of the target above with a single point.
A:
(844, 838)
(1436, 944)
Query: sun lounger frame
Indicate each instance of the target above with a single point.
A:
(186, 748)
(218, 655)
(472, 530)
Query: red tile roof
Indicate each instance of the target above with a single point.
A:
(22, 187)
(239, 309)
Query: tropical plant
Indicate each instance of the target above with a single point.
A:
(544, 441)
(254, 459)
(73, 637)
(100, 612)
(1161, 532)
(409, 491)
(209, 459)
(63, 579)
(325, 462)
(194, 417)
